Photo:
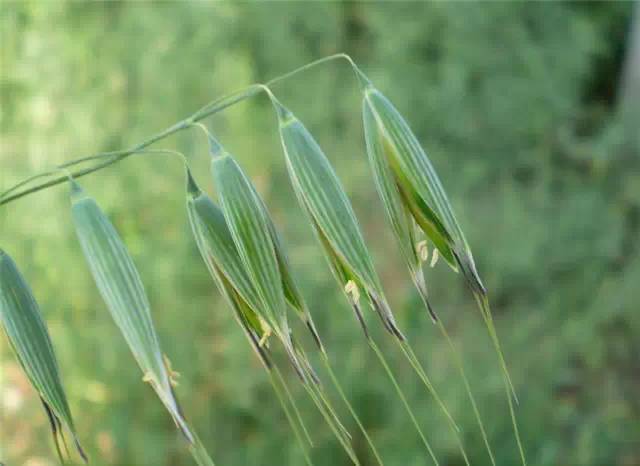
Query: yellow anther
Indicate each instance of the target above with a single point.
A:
(423, 250)
(148, 378)
(434, 258)
(173, 375)
(265, 337)
(352, 290)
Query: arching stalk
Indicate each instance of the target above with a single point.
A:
(209, 109)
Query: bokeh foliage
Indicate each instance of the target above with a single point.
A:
(516, 105)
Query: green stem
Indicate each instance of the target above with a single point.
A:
(485, 311)
(287, 413)
(211, 108)
(508, 385)
(293, 404)
(331, 421)
(199, 453)
(113, 155)
(415, 363)
(458, 361)
(404, 400)
(334, 379)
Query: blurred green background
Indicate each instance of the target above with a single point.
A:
(528, 112)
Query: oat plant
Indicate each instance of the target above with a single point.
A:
(246, 257)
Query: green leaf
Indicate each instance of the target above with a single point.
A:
(325, 202)
(28, 336)
(122, 290)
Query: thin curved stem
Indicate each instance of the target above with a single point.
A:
(308, 66)
(115, 157)
(209, 109)
(56, 170)
(64, 167)
(68, 175)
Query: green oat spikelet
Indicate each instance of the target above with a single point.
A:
(122, 290)
(325, 202)
(249, 228)
(221, 256)
(413, 195)
(28, 337)
(323, 199)
(262, 256)
(414, 198)
(401, 167)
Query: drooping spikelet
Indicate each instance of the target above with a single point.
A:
(122, 290)
(252, 233)
(415, 202)
(28, 336)
(331, 215)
